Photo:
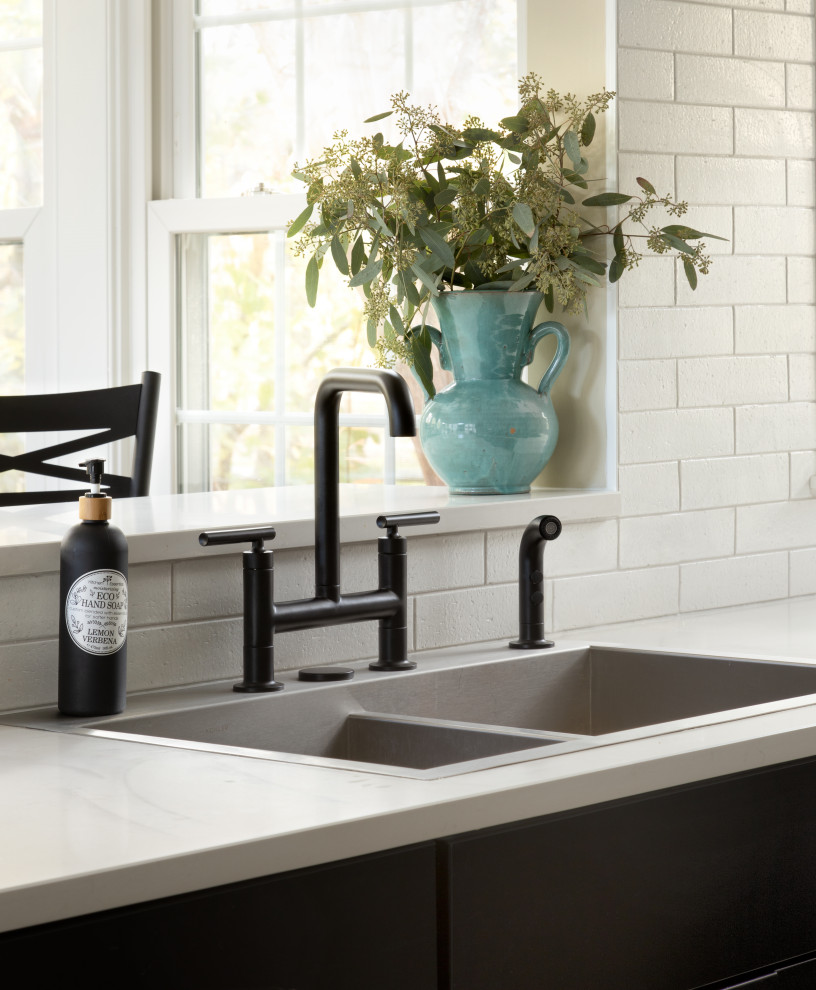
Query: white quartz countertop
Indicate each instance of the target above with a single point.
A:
(166, 527)
(88, 823)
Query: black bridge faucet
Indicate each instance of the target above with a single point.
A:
(263, 617)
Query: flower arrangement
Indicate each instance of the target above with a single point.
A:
(472, 207)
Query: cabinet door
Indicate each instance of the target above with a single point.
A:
(674, 890)
(361, 924)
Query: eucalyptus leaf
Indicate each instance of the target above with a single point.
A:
(368, 274)
(688, 233)
(371, 332)
(518, 124)
(523, 216)
(691, 273)
(446, 196)
(588, 129)
(425, 278)
(396, 320)
(607, 199)
(482, 187)
(480, 134)
(617, 267)
(588, 263)
(339, 256)
(523, 282)
(618, 242)
(549, 302)
(357, 255)
(645, 184)
(421, 353)
(378, 116)
(676, 243)
(572, 147)
(300, 221)
(438, 246)
(312, 277)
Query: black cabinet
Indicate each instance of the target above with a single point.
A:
(362, 924)
(670, 891)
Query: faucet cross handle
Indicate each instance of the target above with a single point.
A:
(390, 522)
(248, 534)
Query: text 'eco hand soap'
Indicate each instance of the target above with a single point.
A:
(93, 608)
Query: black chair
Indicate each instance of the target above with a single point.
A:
(125, 411)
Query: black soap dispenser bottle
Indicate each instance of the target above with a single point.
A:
(93, 608)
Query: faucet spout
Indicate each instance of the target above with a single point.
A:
(327, 458)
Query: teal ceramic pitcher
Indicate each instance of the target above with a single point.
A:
(489, 433)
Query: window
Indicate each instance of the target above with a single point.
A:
(21, 187)
(267, 85)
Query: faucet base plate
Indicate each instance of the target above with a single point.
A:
(393, 665)
(245, 688)
(530, 644)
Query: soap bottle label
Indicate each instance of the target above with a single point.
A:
(96, 611)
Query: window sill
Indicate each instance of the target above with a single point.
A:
(166, 527)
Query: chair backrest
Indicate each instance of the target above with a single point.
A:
(117, 413)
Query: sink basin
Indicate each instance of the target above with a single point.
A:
(455, 715)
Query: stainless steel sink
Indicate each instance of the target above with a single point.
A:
(456, 713)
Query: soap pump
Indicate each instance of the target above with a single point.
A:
(93, 607)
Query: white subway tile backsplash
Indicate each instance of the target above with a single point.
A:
(774, 329)
(208, 587)
(731, 381)
(650, 284)
(29, 674)
(646, 488)
(647, 385)
(30, 607)
(149, 594)
(796, 6)
(436, 563)
(731, 180)
(802, 471)
(802, 373)
(736, 279)
(774, 230)
(758, 34)
(736, 581)
(668, 539)
(467, 616)
(675, 127)
(803, 572)
(616, 597)
(801, 280)
(680, 27)
(801, 183)
(658, 169)
(719, 481)
(800, 86)
(645, 75)
(730, 81)
(775, 526)
(675, 332)
(777, 133)
(675, 434)
(784, 426)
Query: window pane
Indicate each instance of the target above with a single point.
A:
(249, 109)
(20, 20)
(12, 320)
(21, 128)
(227, 357)
(274, 92)
(217, 457)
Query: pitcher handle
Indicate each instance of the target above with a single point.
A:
(561, 351)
